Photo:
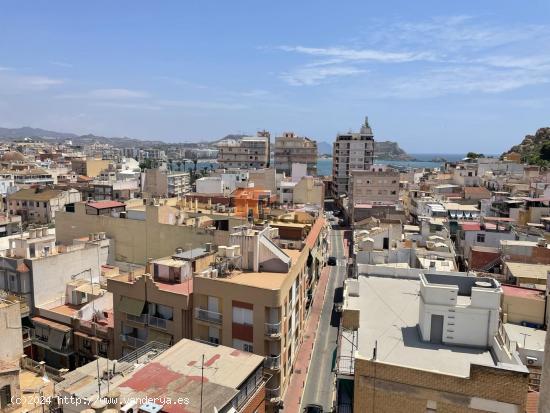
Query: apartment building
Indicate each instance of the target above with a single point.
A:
(256, 298)
(430, 342)
(156, 306)
(290, 149)
(144, 231)
(40, 205)
(351, 152)
(161, 183)
(249, 152)
(37, 270)
(161, 379)
(376, 185)
(89, 167)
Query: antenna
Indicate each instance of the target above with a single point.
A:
(202, 380)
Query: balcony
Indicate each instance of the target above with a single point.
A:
(272, 362)
(160, 323)
(208, 316)
(273, 394)
(132, 341)
(27, 336)
(141, 319)
(273, 330)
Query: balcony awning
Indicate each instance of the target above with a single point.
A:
(159, 336)
(55, 339)
(131, 306)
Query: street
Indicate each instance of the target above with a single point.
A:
(320, 379)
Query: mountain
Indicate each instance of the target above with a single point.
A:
(324, 148)
(534, 149)
(390, 151)
(28, 132)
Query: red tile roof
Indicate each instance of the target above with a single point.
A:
(516, 291)
(106, 204)
(470, 226)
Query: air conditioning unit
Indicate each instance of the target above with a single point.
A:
(531, 360)
(129, 407)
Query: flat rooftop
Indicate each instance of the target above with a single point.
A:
(389, 309)
(265, 280)
(175, 373)
(526, 337)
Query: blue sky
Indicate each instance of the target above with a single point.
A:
(436, 76)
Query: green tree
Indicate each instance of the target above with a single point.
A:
(545, 151)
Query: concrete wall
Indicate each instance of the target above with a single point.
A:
(11, 347)
(51, 274)
(136, 240)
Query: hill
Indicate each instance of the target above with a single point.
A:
(390, 151)
(28, 132)
(534, 149)
(386, 150)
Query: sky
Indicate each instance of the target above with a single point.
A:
(435, 76)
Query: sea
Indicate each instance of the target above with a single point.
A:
(324, 165)
(421, 160)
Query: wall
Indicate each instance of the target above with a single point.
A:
(520, 309)
(401, 389)
(10, 331)
(136, 240)
(51, 274)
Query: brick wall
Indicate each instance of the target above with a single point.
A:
(256, 403)
(404, 389)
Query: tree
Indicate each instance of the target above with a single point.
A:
(474, 155)
(545, 151)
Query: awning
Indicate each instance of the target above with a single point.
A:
(55, 339)
(159, 336)
(131, 306)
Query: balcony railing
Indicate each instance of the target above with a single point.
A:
(273, 329)
(141, 319)
(132, 341)
(207, 315)
(27, 336)
(158, 322)
(271, 394)
(273, 362)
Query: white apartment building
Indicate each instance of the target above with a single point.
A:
(351, 151)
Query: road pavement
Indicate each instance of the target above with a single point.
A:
(319, 386)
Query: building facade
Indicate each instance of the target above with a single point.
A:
(351, 151)
(250, 152)
(290, 149)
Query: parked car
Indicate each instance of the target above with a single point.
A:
(313, 408)
(331, 261)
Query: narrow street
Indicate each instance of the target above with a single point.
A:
(320, 379)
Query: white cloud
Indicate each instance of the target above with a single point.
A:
(463, 80)
(13, 82)
(117, 94)
(360, 54)
(206, 105)
(314, 75)
(124, 105)
(61, 64)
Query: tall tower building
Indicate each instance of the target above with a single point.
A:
(351, 152)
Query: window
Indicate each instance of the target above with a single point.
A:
(243, 345)
(242, 316)
(480, 237)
